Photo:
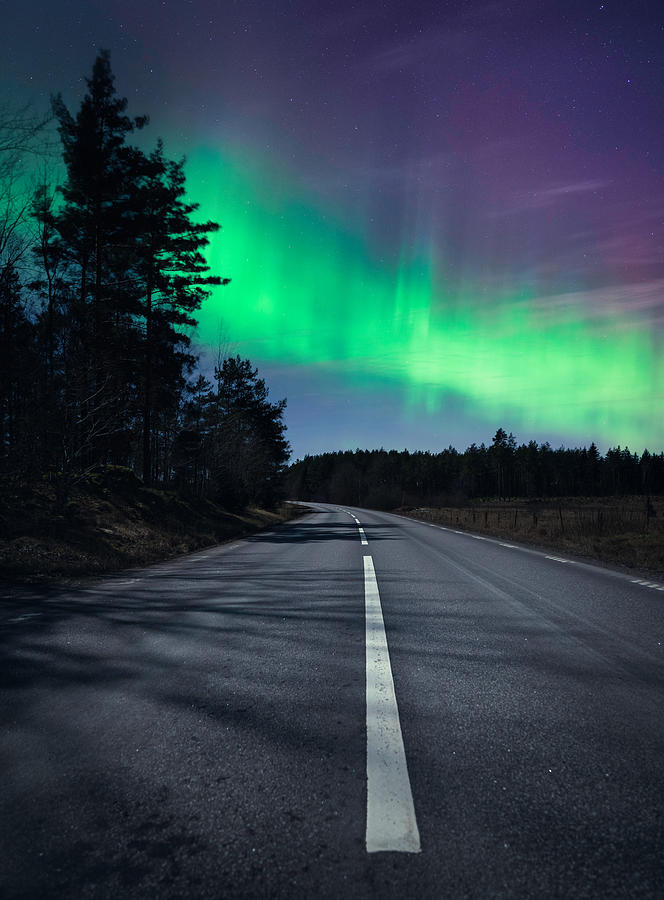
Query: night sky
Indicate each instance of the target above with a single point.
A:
(439, 218)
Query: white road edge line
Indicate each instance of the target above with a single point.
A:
(391, 822)
(596, 566)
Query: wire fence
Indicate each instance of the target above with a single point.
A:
(639, 516)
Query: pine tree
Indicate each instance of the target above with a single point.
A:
(173, 278)
(192, 441)
(135, 257)
(93, 225)
(99, 179)
(249, 448)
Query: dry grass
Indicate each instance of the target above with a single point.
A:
(620, 531)
(111, 523)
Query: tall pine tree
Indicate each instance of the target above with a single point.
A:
(137, 273)
(173, 277)
(94, 227)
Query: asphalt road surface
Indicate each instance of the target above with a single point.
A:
(351, 705)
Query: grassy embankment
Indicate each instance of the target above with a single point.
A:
(619, 531)
(111, 522)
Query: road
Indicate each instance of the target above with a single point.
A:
(229, 724)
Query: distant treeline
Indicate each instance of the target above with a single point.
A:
(102, 273)
(382, 479)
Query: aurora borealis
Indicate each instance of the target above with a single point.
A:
(317, 298)
(438, 220)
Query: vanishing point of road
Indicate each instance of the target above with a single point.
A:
(354, 704)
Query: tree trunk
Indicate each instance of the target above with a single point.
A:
(147, 389)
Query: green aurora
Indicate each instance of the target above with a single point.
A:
(307, 291)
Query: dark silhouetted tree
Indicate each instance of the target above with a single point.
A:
(173, 277)
(249, 449)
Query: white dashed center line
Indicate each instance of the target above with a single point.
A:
(363, 537)
(391, 822)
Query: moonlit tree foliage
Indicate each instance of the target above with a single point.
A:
(98, 373)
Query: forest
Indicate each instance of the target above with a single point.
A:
(102, 272)
(381, 479)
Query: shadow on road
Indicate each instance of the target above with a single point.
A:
(162, 709)
(313, 532)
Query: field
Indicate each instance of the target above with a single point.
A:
(621, 531)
